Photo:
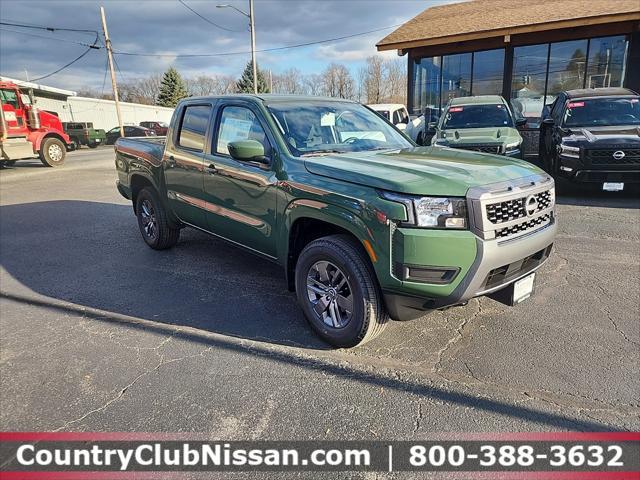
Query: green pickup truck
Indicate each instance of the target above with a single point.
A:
(366, 225)
(483, 124)
(83, 133)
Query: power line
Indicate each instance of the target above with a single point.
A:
(274, 49)
(63, 67)
(50, 29)
(91, 47)
(94, 46)
(206, 19)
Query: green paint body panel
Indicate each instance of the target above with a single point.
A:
(261, 204)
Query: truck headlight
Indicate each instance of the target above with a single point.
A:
(431, 212)
(512, 147)
(569, 151)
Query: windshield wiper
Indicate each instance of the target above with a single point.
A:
(322, 152)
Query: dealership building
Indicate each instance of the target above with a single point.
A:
(525, 50)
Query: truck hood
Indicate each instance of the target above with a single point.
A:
(495, 135)
(595, 136)
(422, 170)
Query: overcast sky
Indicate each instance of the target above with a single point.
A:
(167, 27)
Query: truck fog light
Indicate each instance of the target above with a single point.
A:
(424, 274)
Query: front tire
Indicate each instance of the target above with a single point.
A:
(153, 221)
(338, 292)
(52, 152)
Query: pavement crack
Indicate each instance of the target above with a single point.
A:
(418, 420)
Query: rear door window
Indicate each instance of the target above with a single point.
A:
(193, 128)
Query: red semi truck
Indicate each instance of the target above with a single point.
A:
(26, 132)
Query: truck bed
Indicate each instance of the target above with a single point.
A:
(150, 149)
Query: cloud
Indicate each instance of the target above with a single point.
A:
(166, 27)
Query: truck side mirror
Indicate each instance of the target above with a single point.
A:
(431, 126)
(548, 122)
(521, 122)
(247, 151)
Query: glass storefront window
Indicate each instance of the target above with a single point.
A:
(607, 60)
(567, 67)
(488, 70)
(539, 73)
(456, 76)
(528, 82)
(426, 84)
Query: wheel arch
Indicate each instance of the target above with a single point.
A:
(308, 220)
(137, 182)
(40, 138)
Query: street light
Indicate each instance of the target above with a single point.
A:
(253, 39)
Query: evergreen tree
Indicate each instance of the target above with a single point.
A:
(245, 82)
(172, 89)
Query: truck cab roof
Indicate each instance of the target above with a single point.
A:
(599, 92)
(272, 98)
(477, 100)
(385, 106)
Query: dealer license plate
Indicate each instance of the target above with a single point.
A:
(612, 186)
(523, 288)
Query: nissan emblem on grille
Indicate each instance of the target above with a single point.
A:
(531, 205)
(618, 154)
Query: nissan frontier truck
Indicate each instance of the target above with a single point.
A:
(366, 225)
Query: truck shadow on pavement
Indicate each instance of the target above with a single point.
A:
(90, 255)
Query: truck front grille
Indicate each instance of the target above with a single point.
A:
(514, 209)
(511, 209)
(495, 149)
(524, 226)
(607, 156)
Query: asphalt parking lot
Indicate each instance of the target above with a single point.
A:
(98, 332)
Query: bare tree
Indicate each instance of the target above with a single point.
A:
(337, 81)
(313, 84)
(141, 90)
(203, 85)
(375, 82)
(289, 81)
(395, 75)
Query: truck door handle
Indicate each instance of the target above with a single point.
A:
(212, 169)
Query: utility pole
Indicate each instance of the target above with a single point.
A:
(113, 73)
(253, 48)
(252, 28)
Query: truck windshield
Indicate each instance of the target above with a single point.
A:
(477, 116)
(602, 112)
(316, 127)
(9, 97)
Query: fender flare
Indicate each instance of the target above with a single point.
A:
(327, 212)
(37, 139)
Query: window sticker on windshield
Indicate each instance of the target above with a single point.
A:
(456, 109)
(499, 106)
(328, 119)
(576, 104)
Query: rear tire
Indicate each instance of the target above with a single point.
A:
(338, 292)
(52, 152)
(153, 221)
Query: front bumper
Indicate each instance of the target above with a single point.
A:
(583, 171)
(497, 264)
